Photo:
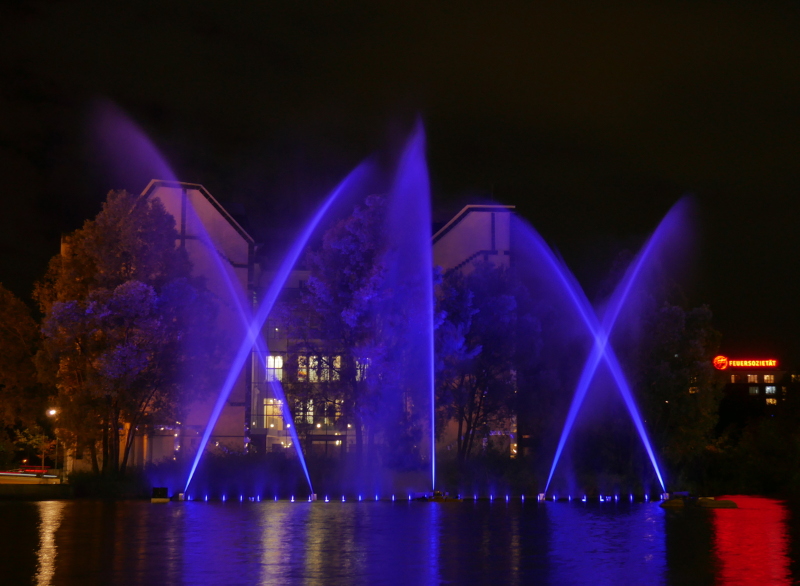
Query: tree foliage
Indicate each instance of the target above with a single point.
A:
(680, 393)
(337, 317)
(21, 397)
(128, 334)
(476, 350)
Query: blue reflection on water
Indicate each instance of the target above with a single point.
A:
(594, 544)
(372, 542)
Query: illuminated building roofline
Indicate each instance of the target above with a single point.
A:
(465, 211)
(154, 183)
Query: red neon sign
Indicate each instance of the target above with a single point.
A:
(723, 362)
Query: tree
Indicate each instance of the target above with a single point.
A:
(35, 443)
(476, 352)
(128, 334)
(22, 399)
(334, 326)
(680, 392)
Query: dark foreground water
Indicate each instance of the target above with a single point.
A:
(89, 542)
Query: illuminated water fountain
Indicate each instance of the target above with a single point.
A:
(534, 250)
(128, 150)
(407, 261)
(256, 324)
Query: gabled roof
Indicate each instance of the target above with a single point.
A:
(467, 210)
(155, 183)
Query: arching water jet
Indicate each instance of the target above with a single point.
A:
(265, 307)
(600, 332)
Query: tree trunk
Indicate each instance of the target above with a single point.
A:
(359, 440)
(114, 432)
(460, 440)
(470, 437)
(93, 452)
(371, 444)
(128, 444)
(106, 424)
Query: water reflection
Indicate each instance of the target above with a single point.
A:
(50, 513)
(613, 543)
(85, 542)
(751, 542)
(434, 513)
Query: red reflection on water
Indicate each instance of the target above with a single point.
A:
(751, 542)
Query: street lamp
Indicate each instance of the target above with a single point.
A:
(51, 413)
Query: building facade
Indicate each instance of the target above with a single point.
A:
(222, 253)
(754, 387)
(255, 415)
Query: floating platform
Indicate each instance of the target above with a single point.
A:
(712, 503)
(705, 502)
(160, 495)
(438, 497)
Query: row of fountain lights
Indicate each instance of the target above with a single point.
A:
(540, 498)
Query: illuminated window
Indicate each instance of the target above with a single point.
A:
(772, 401)
(313, 369)
(332, 412)
(733, 378)
(770, 390)
(693, 390)
(752, 378)
(273, 414)
(361, 368)
(275, 368)
(304, 411)
(796, 378)
(324, 368)
(753, 390)
(769, 378)
(302, 369)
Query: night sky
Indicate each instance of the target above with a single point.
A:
(592, 120)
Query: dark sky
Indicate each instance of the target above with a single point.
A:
(592, 120)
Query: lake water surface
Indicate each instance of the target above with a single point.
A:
(92, 542)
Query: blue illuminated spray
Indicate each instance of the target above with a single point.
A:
(254, 331)
(114, 131)
(411, 183)
(237, 295)
(601, 350)
(127, 154)
(408, 223)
